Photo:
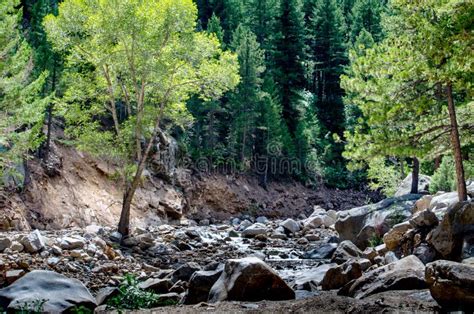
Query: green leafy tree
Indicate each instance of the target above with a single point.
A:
(144, 56)
(21, 104)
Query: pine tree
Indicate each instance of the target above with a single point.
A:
(328, 55)
(21, 105)
(261, 18)
(243, 102)
(367, 14)
(46, 59)
(290, 59)
(214, 27)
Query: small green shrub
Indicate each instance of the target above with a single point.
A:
(375, 240)
(131, 297)
(444, 178)
(383, 176)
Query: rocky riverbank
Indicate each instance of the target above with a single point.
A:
(339, 261)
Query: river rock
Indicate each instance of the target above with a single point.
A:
(249, 279)
(200, 284)
(405, 274)
(33, 242)
(451, 284)
(61, 293)
(444, 200)
(5, 243)
(345, 251)
(255, 229)
(448, 237)
(290, 225)
(360, 224)
(72, 243)
(184, 272)
(425, 252)
(323, 252)
(156, 285)
(424, 219)
(394, 236)
(339, 275)
(423, 203)
(309, 279)
(405, 187)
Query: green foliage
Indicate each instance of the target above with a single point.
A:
(383, 176)
(21, 104)
(444, 178)
(134, 64)
(131, 297)
(375, 240)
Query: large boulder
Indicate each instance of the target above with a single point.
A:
(444, 200)
(290, 225)
(405, 274)
(360, 224)
(457, 224)
(451, 284)
(346, 251)
(249, 279)
(309, 279)
(184, 272)
(424, 219)
(339, 275)
(394, 236)
(200, 284)
(254, 230)
(325, 251)
(405, 187)
(60, 294)
(33, 242)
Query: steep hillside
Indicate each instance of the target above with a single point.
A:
(81, 191)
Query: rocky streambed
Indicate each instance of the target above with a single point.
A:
(304, 264)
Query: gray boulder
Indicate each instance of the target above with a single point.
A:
(424, 219)
(360, 224)
(59, 292)
(339, 275)
(249, 279)
(254, 230)
(405, 274)
(405, 187)
(184, 272)
(451, 284)
(323, 252)
(458, 223)
(346, 251)
(310, 279)
(33, 242)
(200, 284)
(5, 243)
(290, 225)
(156, 285)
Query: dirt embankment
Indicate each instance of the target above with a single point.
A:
(82, 191)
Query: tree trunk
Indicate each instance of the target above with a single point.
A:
(456, 145)
(27, 177)
(437, 162)
(415, 176)
(49, 112)
(124, 223)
